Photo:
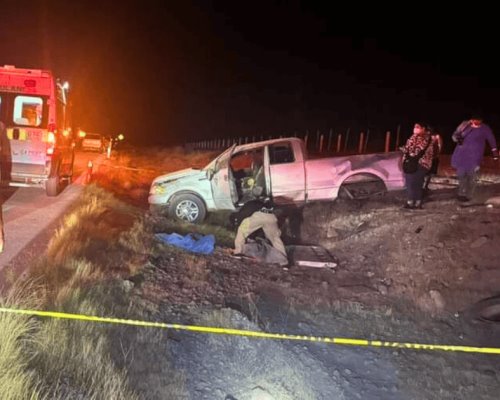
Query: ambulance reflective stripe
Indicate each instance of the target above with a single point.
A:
(25, 134)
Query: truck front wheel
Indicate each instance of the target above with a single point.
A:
(188, 207)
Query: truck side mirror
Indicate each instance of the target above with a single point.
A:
(210, 174)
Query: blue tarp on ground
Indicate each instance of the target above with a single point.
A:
(194, 243)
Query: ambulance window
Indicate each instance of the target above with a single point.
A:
(28, 110)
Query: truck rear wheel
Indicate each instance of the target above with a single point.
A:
(188, 207)
(357, 190)
(52, 186)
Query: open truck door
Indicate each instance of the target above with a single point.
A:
(222, 182)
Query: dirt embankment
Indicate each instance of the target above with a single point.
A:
(401, 275)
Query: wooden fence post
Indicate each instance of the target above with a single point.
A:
(396, 147)
(361, 142)
(365, 145)
(346, 142)
(387, 145)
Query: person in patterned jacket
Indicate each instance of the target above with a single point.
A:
(418, 145)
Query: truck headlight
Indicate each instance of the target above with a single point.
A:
(160, 187)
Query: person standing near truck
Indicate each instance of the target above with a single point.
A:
(417, 161)
(470, 137)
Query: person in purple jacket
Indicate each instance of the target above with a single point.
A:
(471, 137)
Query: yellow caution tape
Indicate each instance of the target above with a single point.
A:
(255, 334)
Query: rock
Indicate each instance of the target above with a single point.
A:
(370, 274)
(387, 281)
(347, 371)
(127, 285)
(382, 289)
(479, 242)
(438, 299)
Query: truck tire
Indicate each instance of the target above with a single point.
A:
(361, 190)
(52, 186)
(188, 207)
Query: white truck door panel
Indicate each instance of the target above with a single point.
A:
(222, 183)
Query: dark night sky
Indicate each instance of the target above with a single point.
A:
(192, 69)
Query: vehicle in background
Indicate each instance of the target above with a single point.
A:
(37, 147)
(93, 142)
(277, 169)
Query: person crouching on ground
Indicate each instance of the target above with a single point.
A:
(418, 154)
(255, 215)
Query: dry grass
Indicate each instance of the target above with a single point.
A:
(16, 340)
(88, 232)
(98, 215)
(58, 359)
(75, 358)
(139, 238)
(71, 359)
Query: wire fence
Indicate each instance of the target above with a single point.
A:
(346, 142)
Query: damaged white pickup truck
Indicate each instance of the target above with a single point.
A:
(278, 169)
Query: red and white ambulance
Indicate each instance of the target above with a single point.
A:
(36, 146)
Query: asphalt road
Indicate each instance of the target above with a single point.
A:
(28, 212)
